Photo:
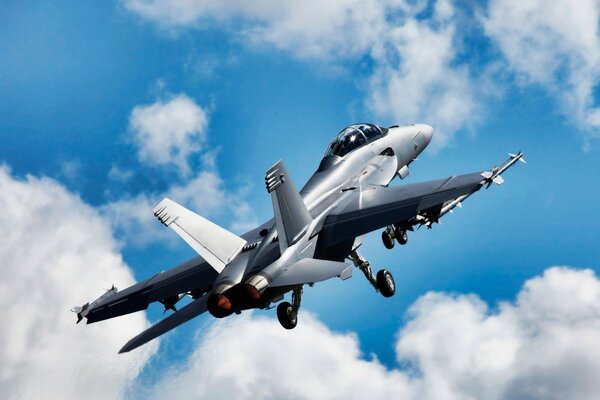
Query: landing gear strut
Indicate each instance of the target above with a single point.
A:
(384, 283)
(288, 313)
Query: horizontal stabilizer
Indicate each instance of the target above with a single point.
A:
(188, 312)
(216, 245)
(310, 270)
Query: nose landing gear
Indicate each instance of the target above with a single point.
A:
(384, 283)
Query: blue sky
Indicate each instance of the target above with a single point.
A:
(226, 91)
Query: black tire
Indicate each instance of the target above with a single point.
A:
(287, 315)
(387, 239)
(385, 283)
(401, 236)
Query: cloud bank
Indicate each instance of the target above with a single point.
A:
(555, 45)
(416, 74)
(419, 70)
(57, 252)
(541, 346)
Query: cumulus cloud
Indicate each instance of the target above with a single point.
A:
(57, 252)
(205, 194)
(419, 73)
(166, 133)
(309, 29)
(416, 75)
(119, 175)
(542, 345)
(556, 45)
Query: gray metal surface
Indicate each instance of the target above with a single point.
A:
(291, 215)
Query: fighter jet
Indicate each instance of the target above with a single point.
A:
(314, 235)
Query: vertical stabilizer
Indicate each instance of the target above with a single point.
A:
(216, 245)
(291, 215)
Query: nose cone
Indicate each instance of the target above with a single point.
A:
(427, 131)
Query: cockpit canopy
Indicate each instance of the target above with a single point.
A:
(353, 137)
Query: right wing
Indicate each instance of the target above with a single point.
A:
(188, 312)
(374, 207)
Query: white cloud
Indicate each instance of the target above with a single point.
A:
(167, 133)
(556, 45)
(255, 358)
(204, 194)
(119, 175)
(310, 28)
(542, 346)
(416, 77)
(70, 170)
(57, 252)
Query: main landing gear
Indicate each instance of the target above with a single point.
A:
(288, 313)
(394, 232)
(383, 283)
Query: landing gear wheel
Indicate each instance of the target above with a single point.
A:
(385, 283)
(287, 315)
(387, 239)
(401, 236)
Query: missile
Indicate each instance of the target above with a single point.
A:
(83, 311)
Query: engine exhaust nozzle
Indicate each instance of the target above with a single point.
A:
(219, 306)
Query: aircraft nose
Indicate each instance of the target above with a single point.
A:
(427, 131)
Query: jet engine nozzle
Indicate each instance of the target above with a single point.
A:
(219, 306)
(251, 293)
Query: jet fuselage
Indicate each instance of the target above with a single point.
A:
(244, 283)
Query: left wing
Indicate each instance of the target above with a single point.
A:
(372, 208)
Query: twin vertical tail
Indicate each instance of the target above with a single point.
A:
(215, 244)
(291, 215)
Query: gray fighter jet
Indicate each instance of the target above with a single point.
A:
(314, 235)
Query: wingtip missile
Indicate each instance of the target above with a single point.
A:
(518, 156)
(494, 174)
(83, 311)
